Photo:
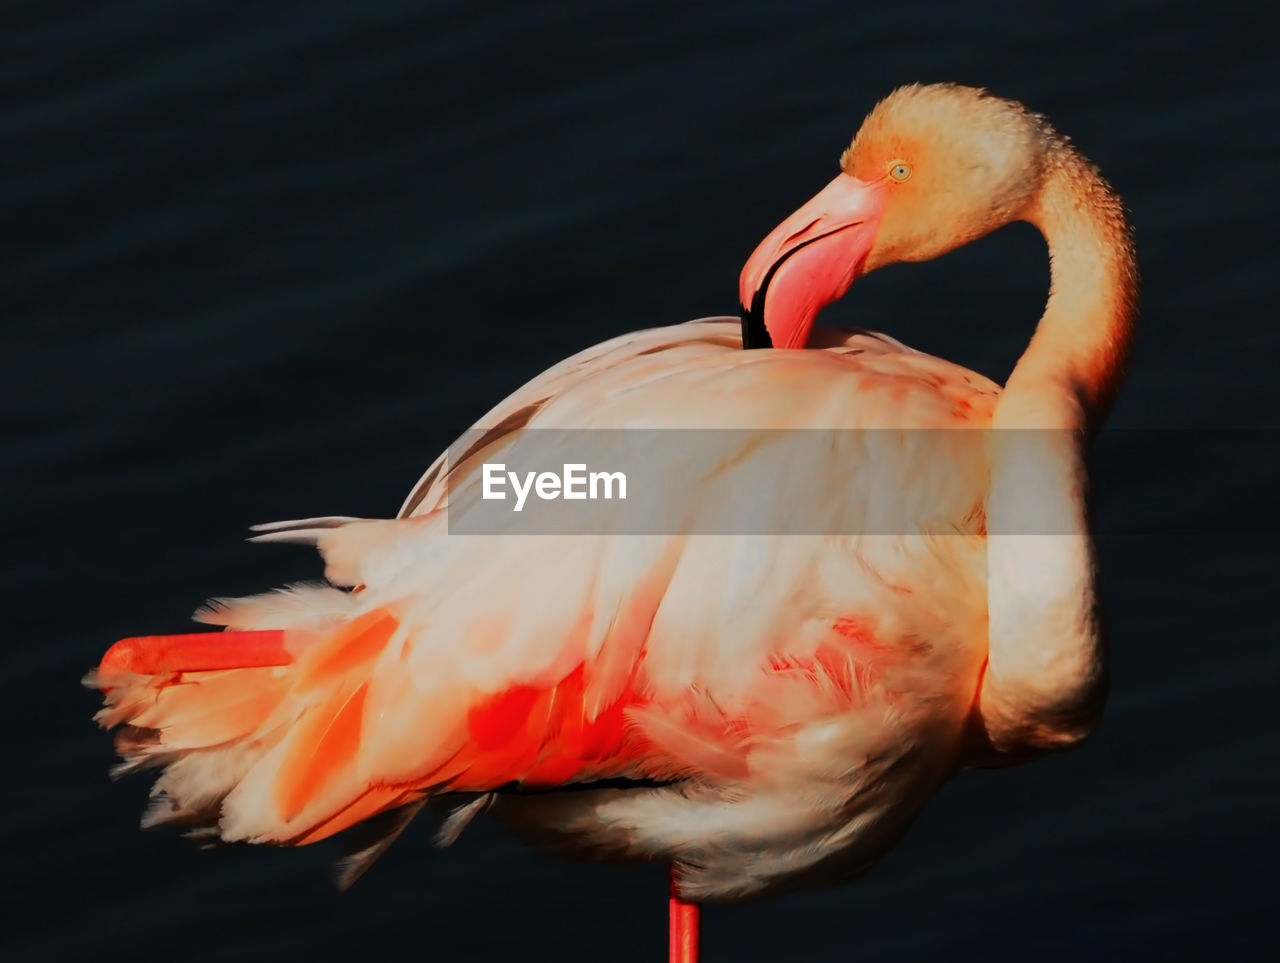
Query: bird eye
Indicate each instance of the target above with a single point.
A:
(900, 171)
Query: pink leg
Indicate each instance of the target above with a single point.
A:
(685, 932)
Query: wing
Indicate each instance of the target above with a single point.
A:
(469, 662)
(518, 408)
(631, 359)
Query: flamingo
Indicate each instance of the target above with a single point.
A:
(763, 712)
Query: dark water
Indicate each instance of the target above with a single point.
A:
(264, 260)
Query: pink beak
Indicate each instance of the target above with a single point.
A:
(808, 261)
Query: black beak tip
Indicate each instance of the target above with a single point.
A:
(754, 333)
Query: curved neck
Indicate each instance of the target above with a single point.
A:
(1081, 346)
(1046, 666)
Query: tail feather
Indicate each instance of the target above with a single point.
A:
(194, 783)
(139, 747)
(296, 607)
(256, 730)
(157, 655)
(351, 647)
(354, 549)
(374, 838)
(324, 744)
(305, 524)
(367, 805)
(212, 708)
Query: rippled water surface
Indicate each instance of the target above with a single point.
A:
(265, 260)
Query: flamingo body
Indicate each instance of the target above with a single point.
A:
(766, 707)
(796, 721)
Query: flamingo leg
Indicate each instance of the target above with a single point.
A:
(685, 933)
